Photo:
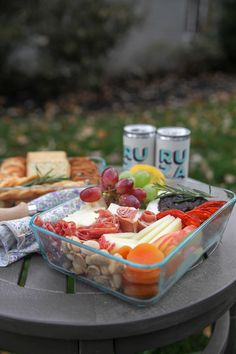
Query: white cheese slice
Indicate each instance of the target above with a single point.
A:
(153, 206)
(119, 242)
(113, 208)
(85, 216)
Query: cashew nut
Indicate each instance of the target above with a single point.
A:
(66, 264)
(79, 264)
(103, 279)
(73, 247)
(77, 268)
(104, 270)
(90, 243)
(64, 246)
(93, 271)
(70, 256)
(88, 260)
(116, 281)
(115, 267)
(97, 259)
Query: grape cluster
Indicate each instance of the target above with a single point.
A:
(124, 189)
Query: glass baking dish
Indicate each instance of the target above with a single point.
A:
(10, 196)
(111, 273)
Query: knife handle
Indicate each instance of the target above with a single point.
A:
(16, 212)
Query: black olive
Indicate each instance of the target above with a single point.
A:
(179, 202)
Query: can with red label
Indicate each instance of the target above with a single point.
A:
(138, 145)
(172, 151)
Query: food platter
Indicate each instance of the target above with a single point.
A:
(138, 283)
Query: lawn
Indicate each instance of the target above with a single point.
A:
(212, 122)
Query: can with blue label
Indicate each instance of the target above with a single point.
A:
(172, 151)
(138, 145)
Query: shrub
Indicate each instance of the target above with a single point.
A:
(58, 44)
(227, 30)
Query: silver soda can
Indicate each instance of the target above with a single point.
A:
(138, 145)
(172, 151)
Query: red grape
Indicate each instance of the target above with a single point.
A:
(109, 178)
(129, 200)
(140, 194)
(91, 194)
(124, 186)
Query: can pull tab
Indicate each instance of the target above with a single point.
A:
(16, 212)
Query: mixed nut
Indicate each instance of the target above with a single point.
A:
(93, 266)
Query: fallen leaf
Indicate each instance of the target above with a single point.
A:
(22, 140)
(101, 134)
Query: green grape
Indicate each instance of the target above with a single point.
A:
(125, 174)
(151, 191)
(141, 178)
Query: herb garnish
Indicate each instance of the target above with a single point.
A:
(186, 192)
(44, 179)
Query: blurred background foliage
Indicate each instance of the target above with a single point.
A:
(227, 31)
(51, 47)
(47, 47)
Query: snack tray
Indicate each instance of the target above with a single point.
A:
(105, 271)
(11, 195)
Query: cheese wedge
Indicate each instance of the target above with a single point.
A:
(54, 163)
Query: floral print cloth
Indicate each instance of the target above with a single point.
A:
(16, 237)
(16, 240)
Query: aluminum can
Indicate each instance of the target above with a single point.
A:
(138, 145)
(172, 151)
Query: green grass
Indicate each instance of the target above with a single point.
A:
(213, 126)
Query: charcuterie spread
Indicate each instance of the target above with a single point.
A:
(127, 234)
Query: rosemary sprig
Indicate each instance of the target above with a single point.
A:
(47, 178)
(186, 192)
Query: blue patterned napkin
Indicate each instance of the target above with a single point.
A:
(16, 237)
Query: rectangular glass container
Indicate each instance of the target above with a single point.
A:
(112, 274)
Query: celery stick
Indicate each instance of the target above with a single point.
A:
(172, 227)
(122, 235)
(151, 227)
(155, 232)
